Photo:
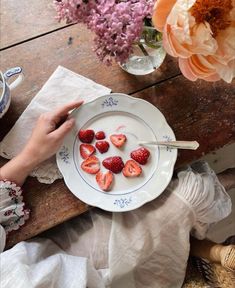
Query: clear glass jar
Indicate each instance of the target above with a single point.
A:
(148, 54)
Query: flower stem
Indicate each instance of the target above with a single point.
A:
(143, 49)
(145, 53)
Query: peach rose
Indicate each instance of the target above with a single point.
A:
(201, 33)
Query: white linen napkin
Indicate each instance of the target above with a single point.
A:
(62, 87)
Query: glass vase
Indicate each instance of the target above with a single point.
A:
(148, 54)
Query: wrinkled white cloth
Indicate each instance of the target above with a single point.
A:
(144, 248)
(62, 87)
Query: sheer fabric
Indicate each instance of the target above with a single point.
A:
(146, 247)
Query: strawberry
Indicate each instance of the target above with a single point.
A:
(86, 136)
(104, 180)
(131, 169)
(91, 165)
(102, 146)
(86, 150)
(114, 164)
(140, 155)
(118, 139)
(100, 135)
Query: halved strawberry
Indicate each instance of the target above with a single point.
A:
(131, 169)
(86, 150)
(102, 146)
(114, 164)
(104, 180)
(91, 165)
(100, 135)
(140, 155)
(86, 136)
(118, 139)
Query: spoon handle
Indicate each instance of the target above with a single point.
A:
(192, 145)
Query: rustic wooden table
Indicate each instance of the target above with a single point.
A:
(195, 110)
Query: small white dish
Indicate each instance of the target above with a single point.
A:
(137, 119)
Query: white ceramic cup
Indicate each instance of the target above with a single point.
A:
(5, 95)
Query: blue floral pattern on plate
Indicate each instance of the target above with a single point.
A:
(122, 202)
(109, 102)
(64, 154)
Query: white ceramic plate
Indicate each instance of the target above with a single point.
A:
(138, 120)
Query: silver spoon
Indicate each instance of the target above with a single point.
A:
(192, 145)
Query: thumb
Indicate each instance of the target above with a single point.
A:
(64, 129)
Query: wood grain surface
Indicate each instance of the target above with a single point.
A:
(50, 205)
(22, 20)
(198, 110)
(41, 56)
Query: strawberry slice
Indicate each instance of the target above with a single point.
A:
(114, 164)
(102, 146)
(131, 169)
(100, 135)
(91, 165)
(140, 155)
(118, 140)
(104, 180)
(86, 136)
(86, 150)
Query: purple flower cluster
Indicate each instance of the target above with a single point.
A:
(117, 24)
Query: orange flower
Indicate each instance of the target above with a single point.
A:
(201, 33)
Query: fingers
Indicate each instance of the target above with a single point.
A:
(64, 110)
(61, 132)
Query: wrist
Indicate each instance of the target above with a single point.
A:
(27, 160)
(18, 168)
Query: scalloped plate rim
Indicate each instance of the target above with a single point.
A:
(122, 204)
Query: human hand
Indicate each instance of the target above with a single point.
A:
(46, 139)
(49, 132)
